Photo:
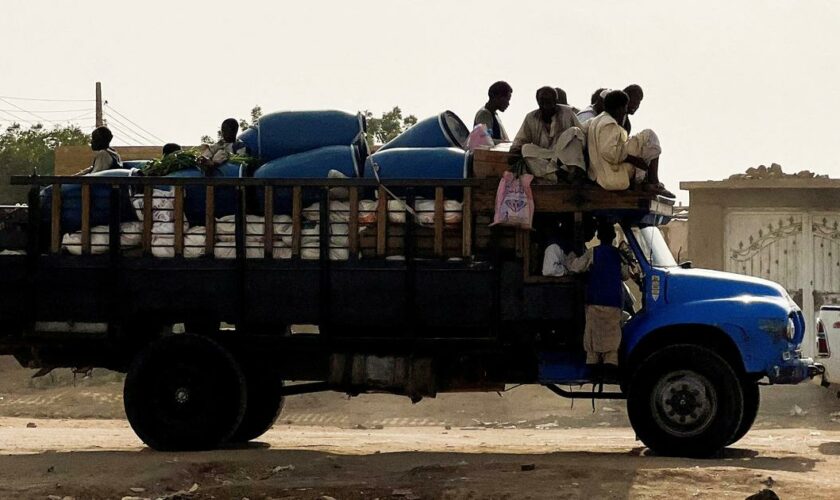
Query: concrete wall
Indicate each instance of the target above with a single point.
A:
(710, 201)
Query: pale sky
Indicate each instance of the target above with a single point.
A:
(727, 84)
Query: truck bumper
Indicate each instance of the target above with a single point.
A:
(795, 371)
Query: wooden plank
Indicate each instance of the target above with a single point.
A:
(382, 223)
(71, 159)
(179, 221)
(353, 228)
(525, 242)
(466, 223)
(297, 209)
(85, 219)
(268, 226)
(210, 221)
(439, 222)
(148, 201)
(55, 220)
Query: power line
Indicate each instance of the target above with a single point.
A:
(136, 125)
(111, 117)
(130, 135)
(44, 100)
(25, 111)
(17, 118)
(76, 110)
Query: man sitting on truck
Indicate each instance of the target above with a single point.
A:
(604, 300)
(213, 155)
(550, 140)
(635, 93)
(499, 95)
(596, 106)
(618, 161)
(104, 158)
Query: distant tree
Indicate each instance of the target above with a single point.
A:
(24, 151)
(244, 124)
(389, 125)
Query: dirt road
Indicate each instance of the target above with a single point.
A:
(103, 459)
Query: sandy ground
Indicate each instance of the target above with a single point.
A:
(103, 459)
(65, 436)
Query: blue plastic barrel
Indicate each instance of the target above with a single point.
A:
(420, 163)
(290, 132)
(129, 164)
(195, 196)
(100, 203)
(251, 139)
(441, 131)
(314, 164)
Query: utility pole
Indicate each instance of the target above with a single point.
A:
(99, 121)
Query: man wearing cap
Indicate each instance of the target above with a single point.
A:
(551, 140)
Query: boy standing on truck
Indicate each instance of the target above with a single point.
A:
(499, 95)
(604, 300)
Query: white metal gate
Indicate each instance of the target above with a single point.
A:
(790, 248)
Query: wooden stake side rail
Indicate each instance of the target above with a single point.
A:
(381, 239)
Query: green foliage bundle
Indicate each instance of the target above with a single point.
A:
(179, 160)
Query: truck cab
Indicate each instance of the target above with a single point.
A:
(418, 301)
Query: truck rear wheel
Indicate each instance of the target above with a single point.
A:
(685, 400)
(264, 405)
(752, 400)
(184, 392)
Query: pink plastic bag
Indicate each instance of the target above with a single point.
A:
(479, 138)
(514, 201)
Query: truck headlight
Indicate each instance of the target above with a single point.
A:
(791, 329)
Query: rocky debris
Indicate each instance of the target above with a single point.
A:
(797, 411)
(31, 425)
(181, 494)
(405, 493)
(765, 494)
(283, 468)
(775, 172)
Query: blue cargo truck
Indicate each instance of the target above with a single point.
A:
(399, 299)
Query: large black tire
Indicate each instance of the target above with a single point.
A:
(752, 400)
(184, 392)
(685, 400)
(264, 405)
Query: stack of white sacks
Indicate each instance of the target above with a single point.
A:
(163, 229)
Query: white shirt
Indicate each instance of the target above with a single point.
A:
(554, 261)
(586, 114)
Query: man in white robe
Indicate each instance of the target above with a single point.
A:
(551, 140)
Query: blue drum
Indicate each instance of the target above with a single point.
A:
(100, 203)
(420, 163)
(290, 132)
(441, 131)
(195, 197)
(314, 164)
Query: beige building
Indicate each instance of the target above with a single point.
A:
(785, 228)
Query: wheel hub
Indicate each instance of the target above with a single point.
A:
(684, 402)
(182, 395)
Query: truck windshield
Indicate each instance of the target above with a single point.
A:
(653, 246)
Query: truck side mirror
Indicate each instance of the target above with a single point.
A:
(686, 264)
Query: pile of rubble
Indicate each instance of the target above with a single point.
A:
(775, 172)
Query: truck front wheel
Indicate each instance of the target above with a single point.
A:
(184, 392)
(752, 400)
(685, 400)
